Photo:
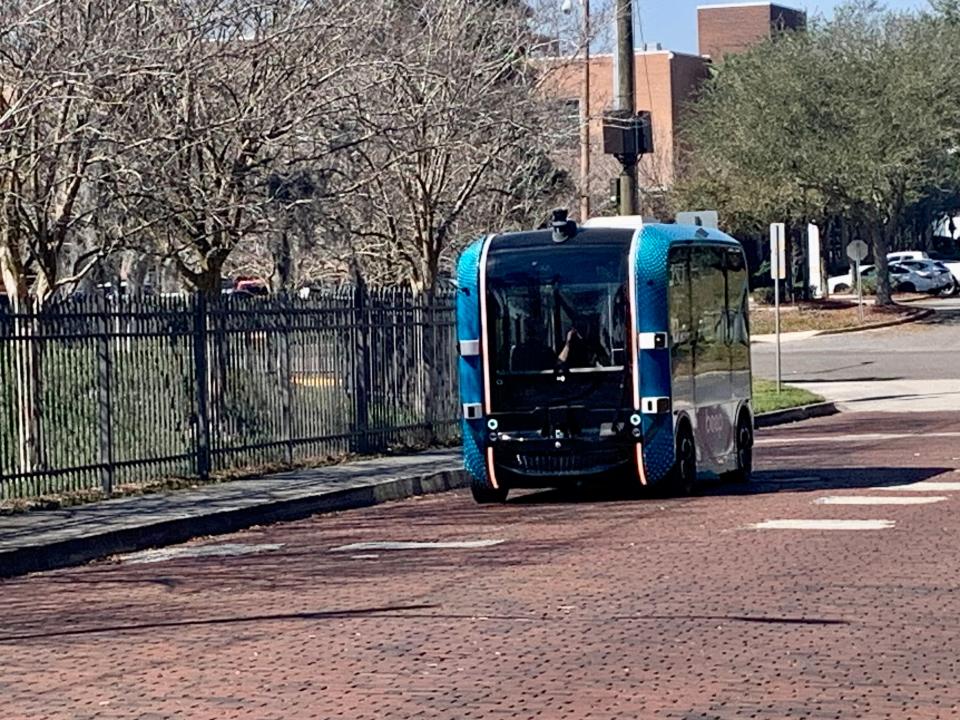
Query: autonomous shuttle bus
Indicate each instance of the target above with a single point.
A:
(617, 349)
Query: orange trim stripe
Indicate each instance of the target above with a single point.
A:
(640, 470)
(490, 471)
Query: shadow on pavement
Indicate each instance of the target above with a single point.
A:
(792, 380)
(763, 482)
(229, 620)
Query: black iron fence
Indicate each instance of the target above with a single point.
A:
(96, 393)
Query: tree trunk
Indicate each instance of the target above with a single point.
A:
(26, 363)
(882, 234)
(28, 378)
(283, 277)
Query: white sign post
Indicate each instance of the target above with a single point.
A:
(857, 251)
(778, 271)
(813, 259)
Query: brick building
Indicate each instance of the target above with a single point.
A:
(735, 27)
(666, 82)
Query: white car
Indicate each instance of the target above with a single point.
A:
(902, 278)
(902, 255)
(846, 283)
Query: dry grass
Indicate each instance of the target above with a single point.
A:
(822, 315)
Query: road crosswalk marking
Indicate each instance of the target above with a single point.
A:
(390, 545)
(848, 437)
(882, 500)
(922, 486)
(812, 524)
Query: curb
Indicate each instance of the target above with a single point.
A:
(912, 317)
(790, 415)
(80, 550)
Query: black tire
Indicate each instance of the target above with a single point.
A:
(951, 289)
(683, 475)
(483, 494)
(744, 447)
(841, 288)
(906, 287)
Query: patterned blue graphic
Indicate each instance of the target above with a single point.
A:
(471, 368)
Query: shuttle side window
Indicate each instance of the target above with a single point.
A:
(708, 287)
(681, 332)
(738, 292)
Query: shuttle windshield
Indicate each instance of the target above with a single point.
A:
(560, 308)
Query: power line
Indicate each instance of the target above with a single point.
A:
(643, 43)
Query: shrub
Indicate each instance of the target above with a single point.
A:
(763, 296)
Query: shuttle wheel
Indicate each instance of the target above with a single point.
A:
(683, 475)
(486, 495)
(744, 452)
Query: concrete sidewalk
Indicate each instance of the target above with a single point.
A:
(43, 540)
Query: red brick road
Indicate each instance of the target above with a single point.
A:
(593, 607)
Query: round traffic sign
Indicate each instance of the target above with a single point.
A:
(857, 250)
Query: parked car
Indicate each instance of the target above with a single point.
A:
(846, 283)
(902, 278)
(950, 263)
(936, 272)
(953, 265)
(902, 255)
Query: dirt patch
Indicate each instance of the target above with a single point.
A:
(823, 315)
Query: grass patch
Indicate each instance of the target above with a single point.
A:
(821, 315)
(766, 398)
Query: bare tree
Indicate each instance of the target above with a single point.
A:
(460, 135)
(67, 74)
(246, 93)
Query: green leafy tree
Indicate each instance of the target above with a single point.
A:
(852, 118)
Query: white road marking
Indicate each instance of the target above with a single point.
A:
(792, 480)
(388, 545)
(874, 500)
(923, 486)
(851, 437)
(823, 525)
(197, 551)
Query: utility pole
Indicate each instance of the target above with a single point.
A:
(626, 99)
(585, 119)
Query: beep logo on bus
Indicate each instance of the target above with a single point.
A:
(714, 427)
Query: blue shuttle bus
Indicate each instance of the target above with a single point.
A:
(615, 348)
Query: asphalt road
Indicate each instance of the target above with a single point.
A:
(911, 367)
(775, 600)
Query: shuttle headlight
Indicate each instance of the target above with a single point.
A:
(493, 423)
(635, 419)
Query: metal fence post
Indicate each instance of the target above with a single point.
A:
(361, 371)
(201, 367)
(286, 409)
(104, 399)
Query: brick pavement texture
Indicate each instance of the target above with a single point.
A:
(594, 606)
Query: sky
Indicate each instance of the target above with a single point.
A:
(673, 23)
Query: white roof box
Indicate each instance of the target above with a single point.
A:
(628, 222)
(703, 218)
